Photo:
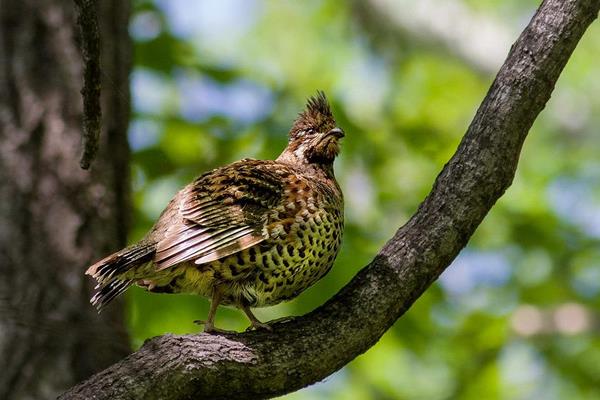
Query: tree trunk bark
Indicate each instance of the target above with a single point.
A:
(56, 218)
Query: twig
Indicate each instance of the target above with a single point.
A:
(92, 110)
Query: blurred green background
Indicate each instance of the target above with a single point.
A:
(515, 316)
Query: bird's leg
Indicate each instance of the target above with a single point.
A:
(255, 323)
(148, 284)
(209, 324)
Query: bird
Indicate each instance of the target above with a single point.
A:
(249, 234)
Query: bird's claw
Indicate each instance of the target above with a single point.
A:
(255, 326)
(210, 327)
(282, 320)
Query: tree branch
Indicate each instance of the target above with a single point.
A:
(87, 21)
(311, 347)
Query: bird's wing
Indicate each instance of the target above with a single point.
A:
(224, 211)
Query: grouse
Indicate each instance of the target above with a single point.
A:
(249, 234)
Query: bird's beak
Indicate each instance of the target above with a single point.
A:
(337, 132)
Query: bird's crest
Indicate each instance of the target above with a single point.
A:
(317, 115)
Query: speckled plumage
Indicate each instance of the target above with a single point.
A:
(249, 234)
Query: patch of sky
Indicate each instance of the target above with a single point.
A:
(575, 199)
(143, 133)
(472, 269)
(145, 26)
(150, 92)
(585, 275)
(521, 367)
(363, 84)
(242, 101)
(361, 205)
(214, 26)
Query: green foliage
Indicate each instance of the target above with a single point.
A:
(218, 81)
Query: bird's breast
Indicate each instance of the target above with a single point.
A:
(303, 233)
(301, 248)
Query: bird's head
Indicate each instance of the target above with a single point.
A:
(314, 137)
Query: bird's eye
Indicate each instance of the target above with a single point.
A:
(310, 131)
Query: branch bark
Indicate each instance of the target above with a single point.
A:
(309, 348)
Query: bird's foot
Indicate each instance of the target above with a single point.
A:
(282, 320)
(209, 327)
(147, 284)
(257, 325)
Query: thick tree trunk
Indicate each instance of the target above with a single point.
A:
(54, 217)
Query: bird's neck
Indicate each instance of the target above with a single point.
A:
(298, 161)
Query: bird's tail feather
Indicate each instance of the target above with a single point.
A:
(110, 270)
(109, 292)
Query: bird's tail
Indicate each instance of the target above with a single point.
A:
(111, 272)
